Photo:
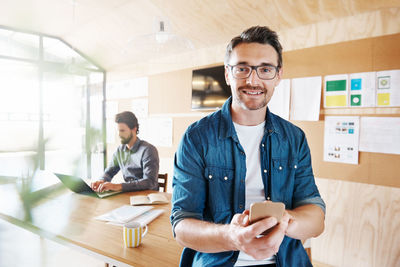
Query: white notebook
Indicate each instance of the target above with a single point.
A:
(148, 216)
(123, 214)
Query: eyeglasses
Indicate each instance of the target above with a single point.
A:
(264, 72)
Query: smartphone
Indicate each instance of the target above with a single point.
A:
(261, 210)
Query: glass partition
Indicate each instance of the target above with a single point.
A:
(20, 45)
(56, 50)
(51, 107)
(19, 116)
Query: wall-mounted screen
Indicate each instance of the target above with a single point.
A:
(209, 89)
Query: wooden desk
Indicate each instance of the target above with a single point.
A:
(67, 218)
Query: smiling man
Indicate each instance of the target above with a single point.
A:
(240, 155)
(137, 159)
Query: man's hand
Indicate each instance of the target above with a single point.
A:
(101, 186)
(247, 237)
(209, 237)
(95, 185)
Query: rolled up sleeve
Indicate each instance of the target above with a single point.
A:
(189, 186)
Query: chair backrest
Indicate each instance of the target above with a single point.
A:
(163, 181)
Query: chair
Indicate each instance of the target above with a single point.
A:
(163, 181)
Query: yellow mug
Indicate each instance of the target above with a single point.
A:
(133, 233)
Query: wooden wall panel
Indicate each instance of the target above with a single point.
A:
(170, 92)
(373, 168)
(170, 95)
(362, 223)
(373, 54)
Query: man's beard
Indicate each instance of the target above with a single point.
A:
(240, 98)
(125, 141)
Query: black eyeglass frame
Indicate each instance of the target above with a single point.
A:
(254, 68)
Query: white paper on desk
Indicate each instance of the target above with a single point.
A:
(380, 135)
(341, 139)
(123, 214)
(306, 98)
(388, 88)
(280, 101)
(143, 219)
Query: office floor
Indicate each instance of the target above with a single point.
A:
(20, 248)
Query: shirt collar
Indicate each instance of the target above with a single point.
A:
(227, 129)
(134, 148)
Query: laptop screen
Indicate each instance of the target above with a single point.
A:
(76, 184)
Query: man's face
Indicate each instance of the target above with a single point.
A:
(125, 133)
(252, 93)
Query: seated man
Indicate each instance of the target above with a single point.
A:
(137, 159)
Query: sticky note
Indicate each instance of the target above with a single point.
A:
(355, 84)
(384, 82)
(384, 99)
(338, 85)
(355, 100)
(336, 101)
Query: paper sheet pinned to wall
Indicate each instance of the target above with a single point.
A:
(157, 131)
(341, 139)
(138, 87)
(388, 88)
(380, 135)
(362, 89)
(280, 101)
(305, 98)
(140, 107)
(335, 91)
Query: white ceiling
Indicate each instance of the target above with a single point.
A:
(112, 32)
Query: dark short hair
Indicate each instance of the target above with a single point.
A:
(256, 34)
(128, 118)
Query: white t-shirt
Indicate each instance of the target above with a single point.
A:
(250, 138)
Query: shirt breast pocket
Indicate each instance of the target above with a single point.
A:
(220, 189)
(283, 175)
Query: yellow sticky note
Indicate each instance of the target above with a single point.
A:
(336, 101)
(384, 99)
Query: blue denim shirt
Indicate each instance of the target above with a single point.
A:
(209, 179)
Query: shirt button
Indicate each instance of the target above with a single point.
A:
(210, 176)
(242, 153)
(262, 145)
(241, 206)
(280, 167)
(295, 166)
(225, 178)
(265, 171)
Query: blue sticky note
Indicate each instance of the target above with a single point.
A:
(356, 84)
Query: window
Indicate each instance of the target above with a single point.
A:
(51, 107)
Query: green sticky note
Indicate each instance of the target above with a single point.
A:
(355, 100)
(338, 85)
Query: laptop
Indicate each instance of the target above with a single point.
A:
(78, 185)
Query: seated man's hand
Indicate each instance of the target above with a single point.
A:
(95, 185)
(107, 186)
(247, 238)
